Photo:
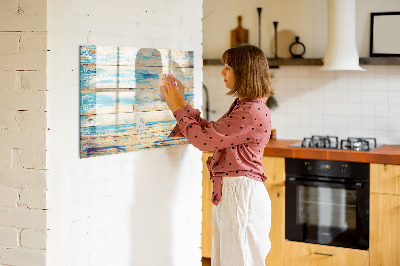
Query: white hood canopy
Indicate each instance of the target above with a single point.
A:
(341, 51)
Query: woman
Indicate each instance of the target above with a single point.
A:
(242, 211)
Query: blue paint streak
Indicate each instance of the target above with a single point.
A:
(126, 128)
(88, 54)
(144, 77)
(89, 101)
(97, 150)
(87, 76)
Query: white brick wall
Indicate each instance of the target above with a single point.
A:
(22, 132)
(139, 208)
(8, 197)
(9, 237)
(34, 239)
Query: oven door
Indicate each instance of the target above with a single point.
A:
(327, 213)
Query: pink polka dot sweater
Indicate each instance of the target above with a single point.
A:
(238, 139)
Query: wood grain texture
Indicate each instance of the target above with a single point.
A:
(274, 168)
(120, 102)
(304, 254)
(206, 225)
(277, 233)
(389, 154)
(385, 178)
(384, 230)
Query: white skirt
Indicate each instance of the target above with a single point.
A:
(241, 223)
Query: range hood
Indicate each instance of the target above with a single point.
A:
(341, 51)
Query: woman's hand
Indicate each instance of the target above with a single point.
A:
(181, 91)
(173, 91)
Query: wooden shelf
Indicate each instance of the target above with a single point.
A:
(274, 63)
(295, 62)
(380, 61)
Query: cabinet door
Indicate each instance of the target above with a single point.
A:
(384, 230)
(206, 226)
(274, 168)
(304, 254)
(277, 233)
(385, 178)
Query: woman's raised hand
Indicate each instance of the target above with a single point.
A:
(181, 92)
(174, 93)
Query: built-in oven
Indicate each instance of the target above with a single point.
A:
(327, 202)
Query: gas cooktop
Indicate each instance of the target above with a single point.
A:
(332, 142)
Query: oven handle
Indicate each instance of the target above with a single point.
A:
(357, 185)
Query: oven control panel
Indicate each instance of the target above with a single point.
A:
(337, 169)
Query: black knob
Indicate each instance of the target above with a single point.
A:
(308, 166)
(343, 168)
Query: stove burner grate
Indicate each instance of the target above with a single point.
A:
(332, 142)
(327, 142)
(358, 144)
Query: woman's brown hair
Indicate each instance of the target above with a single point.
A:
(250, 66)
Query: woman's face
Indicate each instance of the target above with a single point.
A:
(229, 76)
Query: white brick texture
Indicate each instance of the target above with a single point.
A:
(23, 139)
(18, 256)
(8, 197)
(33, 199)
(31, 80)
(8, 80)
(10, 42)
(9, 237)
(23, 100)
(33, 239)
(15, 18)
(5, 158)
(23, 218)
(30, 55)
(23, 125)
(29, 119)
(23, 178)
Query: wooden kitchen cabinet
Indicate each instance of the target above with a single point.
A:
(385, 178)
(274, 168)
(206, 225)
(305, 254)
(277, 233)
(385, 215)
(384, 236)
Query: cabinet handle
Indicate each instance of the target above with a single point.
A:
(324, 254)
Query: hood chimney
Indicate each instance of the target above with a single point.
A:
(341, 51)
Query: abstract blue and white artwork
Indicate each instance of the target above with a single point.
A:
(121, 108)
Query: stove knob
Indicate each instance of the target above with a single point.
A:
(308, 167)
(343, 168)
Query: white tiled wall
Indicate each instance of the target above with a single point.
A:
(313, 102)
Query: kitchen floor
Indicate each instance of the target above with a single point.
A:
(206, 261)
